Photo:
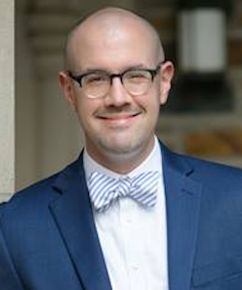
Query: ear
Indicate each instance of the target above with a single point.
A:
(166, 75)
(68, 89)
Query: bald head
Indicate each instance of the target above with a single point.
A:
(106, 25)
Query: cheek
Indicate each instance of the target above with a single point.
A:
(86, 110)
(82, 111)
(151, 102)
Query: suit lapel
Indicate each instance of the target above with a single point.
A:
(183, 203)
(72, 213)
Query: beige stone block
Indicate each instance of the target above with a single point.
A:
(5, 196)
(7, 96)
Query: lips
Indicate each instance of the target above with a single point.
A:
(118, 116)
(119, 120)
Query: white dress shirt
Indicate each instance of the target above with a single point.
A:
(134, 238)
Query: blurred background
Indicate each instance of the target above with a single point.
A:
(203, 116)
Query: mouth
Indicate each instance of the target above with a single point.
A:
(119, 119)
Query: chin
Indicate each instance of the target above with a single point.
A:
(123, 151)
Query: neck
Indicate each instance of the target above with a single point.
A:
(122, 163)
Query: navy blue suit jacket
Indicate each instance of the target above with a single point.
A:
(48, 239)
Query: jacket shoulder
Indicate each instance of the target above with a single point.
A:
(35, 197)
(205, 171)
(215, 173)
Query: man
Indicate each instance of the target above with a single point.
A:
(128, 214)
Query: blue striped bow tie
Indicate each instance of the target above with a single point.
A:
(104, 190)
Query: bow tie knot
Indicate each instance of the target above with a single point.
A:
(104, 190)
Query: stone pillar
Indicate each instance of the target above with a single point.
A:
(7, 180)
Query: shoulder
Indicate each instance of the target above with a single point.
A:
(221, 188)
(215, 173)
(220, 185)
(28, 200)
(204, 171)
(35, 198)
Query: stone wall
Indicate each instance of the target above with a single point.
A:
(6, 99)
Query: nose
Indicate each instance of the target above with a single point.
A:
(117, 95)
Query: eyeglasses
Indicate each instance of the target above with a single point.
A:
(96, 84)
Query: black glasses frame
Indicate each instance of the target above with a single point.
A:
(153, 73)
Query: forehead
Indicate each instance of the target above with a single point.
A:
(113, 42)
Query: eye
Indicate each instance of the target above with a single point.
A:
(95, 79)
(137, 76)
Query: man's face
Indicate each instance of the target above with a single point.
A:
(118, 126)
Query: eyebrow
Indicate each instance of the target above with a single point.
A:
(93, 70)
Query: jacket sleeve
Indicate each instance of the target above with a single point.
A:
(8, 277)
